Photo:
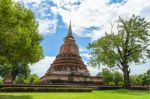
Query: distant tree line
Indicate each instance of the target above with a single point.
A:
(141, 79)
(116, 78)
(111, 77)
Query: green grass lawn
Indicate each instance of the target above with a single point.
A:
(102, 94)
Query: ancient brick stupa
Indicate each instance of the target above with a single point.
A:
(68, 67)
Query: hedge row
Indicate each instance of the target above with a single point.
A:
(109, 87)
(120, 87)
(44, 89)
(140, 88)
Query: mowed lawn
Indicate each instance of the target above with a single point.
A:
(103, 94)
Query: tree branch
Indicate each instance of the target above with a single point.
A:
(138, 50)
(119, 67)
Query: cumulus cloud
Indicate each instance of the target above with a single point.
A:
(91, 18)
(42, 66)
(47, 26)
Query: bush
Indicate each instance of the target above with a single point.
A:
(32, 79)
(1, 82)
(111, 83)
(19, 80)
(44, 89)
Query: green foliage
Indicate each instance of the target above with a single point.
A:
(107, 75)
(20, 70)
(142, 79)
(19, 37)
(4, 68)
(129, 44)
(32, 79)
(148, 72)
(131, 40)
(135, 79)
(1, 81)
(110, 77)
(145, 78)
(19, 80)
(117, 78)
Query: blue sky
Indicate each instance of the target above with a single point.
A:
(90, 19)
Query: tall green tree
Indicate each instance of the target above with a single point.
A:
(126, 46)
(19, 36)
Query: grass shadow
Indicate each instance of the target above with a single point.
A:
(15, 97)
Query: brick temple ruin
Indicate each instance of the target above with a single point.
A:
(68, 67)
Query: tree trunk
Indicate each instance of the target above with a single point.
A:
(8, 78)
(116, 83)
(126, 72)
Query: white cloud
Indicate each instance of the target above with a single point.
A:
(86, 14)
(139, 69)
(84, 53)
(42, 66)
(96, 13)
(93, 71)
(47, 26)
(82, 49)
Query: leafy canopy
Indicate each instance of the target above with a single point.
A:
(126, 46)
(19, 37)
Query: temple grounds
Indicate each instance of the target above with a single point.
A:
(102, 94)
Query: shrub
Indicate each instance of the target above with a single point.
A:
(1, 82)
(32, 79)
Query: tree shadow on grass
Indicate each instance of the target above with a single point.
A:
(15, 97)
(129, 92)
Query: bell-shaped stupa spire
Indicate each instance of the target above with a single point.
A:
(70, 31)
